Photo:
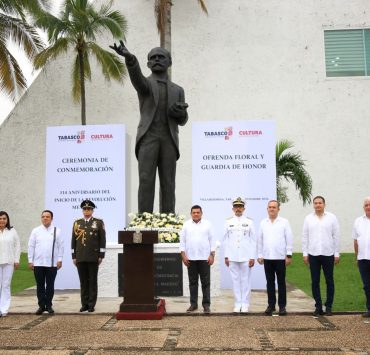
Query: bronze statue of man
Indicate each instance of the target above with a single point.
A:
(162, 110)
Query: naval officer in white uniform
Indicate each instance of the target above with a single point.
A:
(240, 249)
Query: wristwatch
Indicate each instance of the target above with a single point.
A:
(289, 256)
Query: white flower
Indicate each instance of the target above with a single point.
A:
(167, 225)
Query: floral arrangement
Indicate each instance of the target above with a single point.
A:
(167, 224)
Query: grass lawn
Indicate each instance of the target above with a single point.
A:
(23, 276)
(349, 295)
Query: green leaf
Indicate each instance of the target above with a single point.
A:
(291, 167)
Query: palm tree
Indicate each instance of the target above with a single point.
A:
(15, 29)
(162, 11)
(291, 167)
(76, 28)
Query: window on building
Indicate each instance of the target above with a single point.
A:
(347, 52)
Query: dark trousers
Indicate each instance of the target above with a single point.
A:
(196, 269)
(364, 268)
(45, 278)
(88, 274)
(327, 265)
(157, 153)
(272, 268)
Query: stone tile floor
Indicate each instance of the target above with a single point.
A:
(214, 334)
(70, 332)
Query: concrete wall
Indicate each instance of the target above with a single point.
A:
(246, 60)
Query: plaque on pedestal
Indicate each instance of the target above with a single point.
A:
(168, 274)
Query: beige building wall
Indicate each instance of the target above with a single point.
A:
(247, 60)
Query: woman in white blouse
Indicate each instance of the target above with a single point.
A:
(10, 250)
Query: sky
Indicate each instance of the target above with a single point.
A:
(6, 105)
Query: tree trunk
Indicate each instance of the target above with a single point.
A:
(82, 79)
(165, 36)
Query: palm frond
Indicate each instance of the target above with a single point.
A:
(13, 8)
(113, 21)
(12, 80)
(14, 29)
(50, 53)
(291, 167)
(203, 6)
(54, 26)
(111, 64)
(22, 34)
(36, 6)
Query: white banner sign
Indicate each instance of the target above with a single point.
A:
(234, 159)
(85, 162)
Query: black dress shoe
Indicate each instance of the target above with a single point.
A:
(41, 310)
(328, 311)
(192, 309)
(282, 311)
(91, 309)
(206, 310)
(269, 310)
(50, 309)
(84, 308)
(318, 312)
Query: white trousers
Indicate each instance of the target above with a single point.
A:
(241, 278)
(6, 273)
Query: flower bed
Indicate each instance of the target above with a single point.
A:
(167, 225)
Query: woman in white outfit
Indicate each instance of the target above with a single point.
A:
(10, 250)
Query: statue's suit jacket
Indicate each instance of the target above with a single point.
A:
(148, 93)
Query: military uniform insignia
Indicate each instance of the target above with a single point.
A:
(80, 233)
(94, 225)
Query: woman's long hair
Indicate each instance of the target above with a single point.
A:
(3, 213)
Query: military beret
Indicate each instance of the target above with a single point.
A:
(238, 202)
(87, 203)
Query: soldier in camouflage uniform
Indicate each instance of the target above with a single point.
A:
(88, 249)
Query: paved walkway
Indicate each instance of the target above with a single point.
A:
(68, 301)
(70, 332)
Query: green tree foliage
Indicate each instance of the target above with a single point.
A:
(76, 28)
(291, 167)
(15, 29)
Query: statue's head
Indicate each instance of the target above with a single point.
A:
(159, 59)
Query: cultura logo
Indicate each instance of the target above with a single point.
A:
(246, 133)
(79, 137)
(104, 136)
(226, 133)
